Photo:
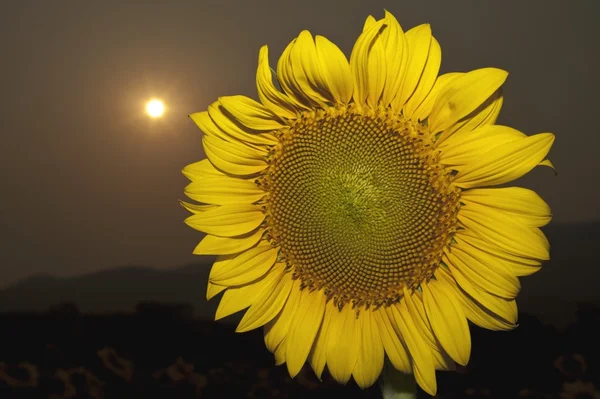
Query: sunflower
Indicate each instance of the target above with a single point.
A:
(352, 208)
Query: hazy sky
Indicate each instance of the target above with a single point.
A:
(89, 182)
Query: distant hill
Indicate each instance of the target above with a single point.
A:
(571, 276)
(119, 289)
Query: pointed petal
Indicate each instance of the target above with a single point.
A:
(269, 303)
(414, 304)
(213, 245)
(227, 220)
(370, 358)
(516, 203)
(368, 66)
(222, 190)
(272, 98)
(512, 237)
(287, 80)
(343, 343)
(481, 308)
(335, 69)
(419, 42)
(369, 22)
(505, 162)
(463, 96)
(239, 298)
(234, 158)
(448, 320)
(427, 79)
(196, 208)
(423, 366)
(423, 110)
(318, 354)
(465, 146)
(201, 170)
(235, 130)
(396, 57)
(213, 290)
(491, 253)
(392, 342)
(277, 329)
(251, 113)
(306, 69)
(484, 115)
(303, 331)
(245, 267)
(487, 277)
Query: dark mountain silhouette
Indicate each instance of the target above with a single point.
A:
(115, 290)
(552, 294)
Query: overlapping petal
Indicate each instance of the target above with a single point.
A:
(464, 95)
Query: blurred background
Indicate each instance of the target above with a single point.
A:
(100, 295)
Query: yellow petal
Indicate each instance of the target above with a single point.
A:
(419, 42)
(343, 343)
(250, 113)
(492, 303)
(486, 251)
(483, 309)
(335, 69)
(485, 114)
(201, 170)
(423, 365)
(213, 245)
(392, 342)
(277, 329)
(505, 162)
(222, 190)
(239, 298)
(368, 66)
(207, 125)
(280, 352)
(423, 110)
(272, 98)
(396, 57)
(306, 69)
(512, 237)
(227, 220)
(448, 320)
(368, 22)
(269, 303)
(213, 290)
(227, 123)
(234, 158)
(286, 78)
(427, 78)
(370, 358)
(244, 267)
(487, 277)
(318, 354)
(516, 203)
(303, 330)
(195, 208)
(465, 146)
(414, 304)
(464, 95)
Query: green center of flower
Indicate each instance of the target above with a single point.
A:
(358, 205)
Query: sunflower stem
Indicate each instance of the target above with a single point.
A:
(395, 384)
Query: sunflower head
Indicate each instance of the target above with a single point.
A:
(353, 208)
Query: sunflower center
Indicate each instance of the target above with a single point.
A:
(359, 205)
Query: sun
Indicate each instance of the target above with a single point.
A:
(155, 108)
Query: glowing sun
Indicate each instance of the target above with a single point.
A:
(155, 108)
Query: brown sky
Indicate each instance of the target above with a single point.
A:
(89, 182)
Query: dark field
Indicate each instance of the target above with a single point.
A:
(161, 351)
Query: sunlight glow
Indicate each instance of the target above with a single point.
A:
(155, 108)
